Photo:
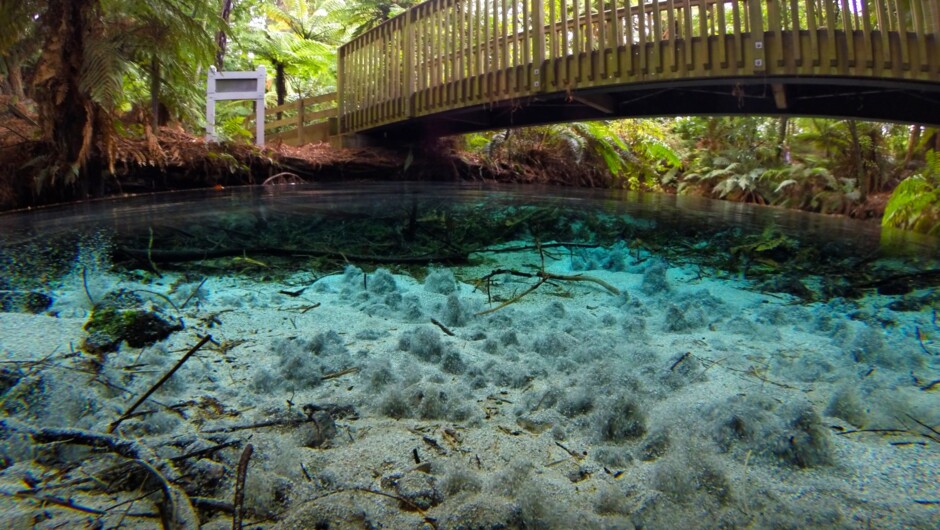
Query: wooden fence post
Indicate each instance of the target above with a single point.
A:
(756, 18)
(341, 89)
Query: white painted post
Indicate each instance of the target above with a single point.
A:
(210, 106)
(259, 106)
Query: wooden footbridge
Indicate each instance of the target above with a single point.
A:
(454, 66)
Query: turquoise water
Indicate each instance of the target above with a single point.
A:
(438, 356)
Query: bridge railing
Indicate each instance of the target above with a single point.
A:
(301, 121)
(447, 54)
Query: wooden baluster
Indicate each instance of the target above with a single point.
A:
(736, 28)
(408, 50)
(417, 29)
(795, 40)
(628, 37)
(869, 60)
(656, 37)
(482, 47)
(813, 33)
(442, 53)
(901, 28)
(492, 59)
(601, 39)
(587, 59)
(641, 31)
(341, 96)
(361, 81)
(774, 22)
(361, 78)
(395, 79)
(883, 23)
(456, 57)
(849, 33)
(702, 64)
(504, 49)
(374, 82)
(514, 43)
(689, 60)
(724, 60)
(672, 29)
(392, 72)
(456, 38)
(385, 72)
(426, 57)
(575, 76)
(830, 33)
(616, 37)
(919, 11)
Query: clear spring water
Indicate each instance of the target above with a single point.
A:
(418, 356)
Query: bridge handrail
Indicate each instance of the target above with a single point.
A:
(298, 117)
(443, 54)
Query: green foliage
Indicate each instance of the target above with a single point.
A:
(915, 203)
(363, 15)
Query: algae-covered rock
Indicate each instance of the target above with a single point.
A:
(108, 327)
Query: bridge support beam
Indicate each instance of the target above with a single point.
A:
(602, 102)
(780, 95)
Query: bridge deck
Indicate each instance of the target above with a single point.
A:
(449, 66)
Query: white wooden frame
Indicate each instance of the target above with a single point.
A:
(224, 86)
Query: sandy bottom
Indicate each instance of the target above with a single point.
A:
(632, 395)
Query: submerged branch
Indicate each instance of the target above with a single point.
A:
(170, 256)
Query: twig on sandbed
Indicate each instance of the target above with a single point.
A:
(159, 383)
(176, 511)
(543, 277)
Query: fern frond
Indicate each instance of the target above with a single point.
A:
(102, 72)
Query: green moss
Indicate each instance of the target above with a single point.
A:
(108, 327)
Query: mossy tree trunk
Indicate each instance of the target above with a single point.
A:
(68, 116)
(221, 40)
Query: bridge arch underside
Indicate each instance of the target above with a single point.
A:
(834, 97)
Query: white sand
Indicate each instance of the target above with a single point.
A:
(566, 409)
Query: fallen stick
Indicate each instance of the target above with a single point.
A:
(240, 487)
(169, 256)
(176, 512)
(57, 501)
(159, 383)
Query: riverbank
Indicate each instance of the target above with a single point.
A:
(174, 159)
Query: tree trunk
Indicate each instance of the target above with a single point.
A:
(14, 78)
(860, 175)
(154, 93)
(67, 116)
(280, 84)
(783, 150)
(912, 142)
(221, 40)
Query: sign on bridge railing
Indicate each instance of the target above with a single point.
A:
(224, 86)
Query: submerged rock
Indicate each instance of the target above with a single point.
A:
(108, 327)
